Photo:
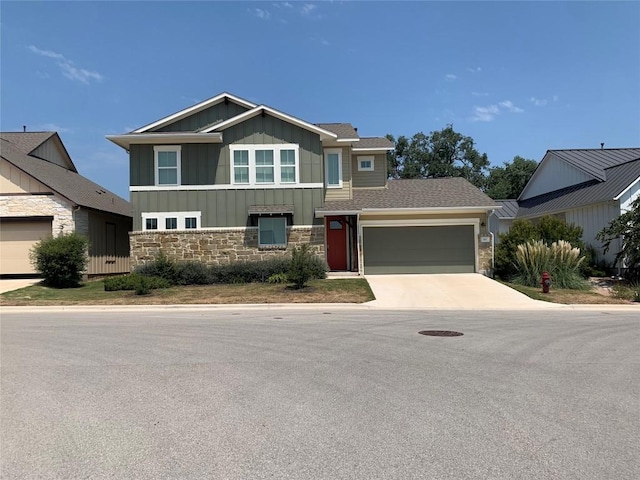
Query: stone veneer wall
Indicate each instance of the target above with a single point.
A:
(219, 246)
(39, 206)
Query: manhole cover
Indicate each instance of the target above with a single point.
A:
(440, 333)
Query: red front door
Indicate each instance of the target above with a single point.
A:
(336, 228)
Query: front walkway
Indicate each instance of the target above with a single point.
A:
(459, 291)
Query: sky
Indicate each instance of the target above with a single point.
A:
(518, 77)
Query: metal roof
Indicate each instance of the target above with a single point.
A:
(455, 192)
(65, 182)
(618, 178)
(509, 209)
(595, 161)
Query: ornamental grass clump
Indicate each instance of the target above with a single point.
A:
(561, 260)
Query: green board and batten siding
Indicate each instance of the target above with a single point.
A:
(377, 178)
(215, 114)
(210, 164)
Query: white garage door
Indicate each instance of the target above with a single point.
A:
(17, 237)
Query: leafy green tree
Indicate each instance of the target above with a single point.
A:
(61, 260)
(509, 180)
(626, 228)
(301, 266)
(444, 153)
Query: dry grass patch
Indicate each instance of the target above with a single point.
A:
(354, 290)
(569, 297)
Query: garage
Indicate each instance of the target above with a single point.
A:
(418, 249)
(17, 238)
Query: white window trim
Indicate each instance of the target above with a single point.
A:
(273, 245)
(368, 158)
(167, 148)
(276, 148)
(326, 166)
(162, 217)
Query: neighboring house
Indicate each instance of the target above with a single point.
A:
(42, 194)
(502, 219)
(228, 180)
(587, 187)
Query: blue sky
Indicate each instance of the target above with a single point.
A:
(518, 77)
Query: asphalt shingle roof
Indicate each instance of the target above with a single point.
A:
(343, 130)
(595, 161)
(373, 142)
(618, 177)
(27, 142)
(415, 193)
(270, 209)
(509, 208)
(67, 183)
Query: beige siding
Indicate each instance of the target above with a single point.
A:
(377, 178)
(53, 151)
(592, 219)
(14, 180)
(108, 243)
(343, 193)
(554, 174)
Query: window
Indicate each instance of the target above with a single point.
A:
(265, 164)
(151, 224)
(333, 168)
(170, 220)
(287, 166)
(365, 164)
(171, 223)
(167, 164)
(241, 166)
(272, 231)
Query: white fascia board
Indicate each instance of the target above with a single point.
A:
(345, 140)
(372, 149)
(631, 185)
(324, 134)
(336, 213)
(194, 109)
(127, 139)
(430, 210)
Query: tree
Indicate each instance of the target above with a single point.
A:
(445, 153)
(626, 227)
(509, 180)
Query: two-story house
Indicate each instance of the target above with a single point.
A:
(228, 180)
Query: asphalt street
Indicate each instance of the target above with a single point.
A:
(319, 393)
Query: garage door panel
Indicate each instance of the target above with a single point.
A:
(17, 238)
(438, 249)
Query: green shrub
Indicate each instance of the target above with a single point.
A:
(161, 266)
(193, 273)
(61, 260)
(133, 281)
(547, 229)
(630, 291)
(560, 260)
(278, 278)
(301, 268)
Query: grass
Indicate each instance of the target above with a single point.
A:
(567, 296)
(351, 290)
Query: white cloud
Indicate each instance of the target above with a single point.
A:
(479, 94)
(488, 113)
(485, 114)
(324, 42)
(556, 98)
(68, 67)
(508, 104)
(260, 13)
(538, 102)
(450, 76)
(474, 69)
(308, 8)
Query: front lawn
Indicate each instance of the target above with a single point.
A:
(567, 296)
(351, 290)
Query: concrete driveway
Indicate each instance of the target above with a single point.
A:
(10, 284)
(460, 291)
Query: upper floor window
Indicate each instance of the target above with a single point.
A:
(167, 164)
(333, 167)
(264, 164)
(365, 164)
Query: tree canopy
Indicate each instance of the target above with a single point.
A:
(445, 153)
(509, 180)
(626, 228)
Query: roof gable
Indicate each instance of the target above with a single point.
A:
(66, 183)
(44, 145)
(194, 109)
